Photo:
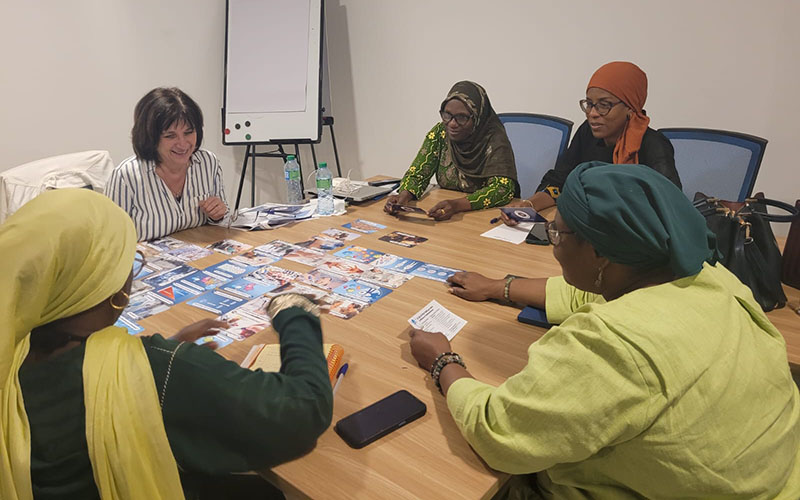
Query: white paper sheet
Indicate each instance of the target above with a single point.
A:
(515, 234)
(435, 318)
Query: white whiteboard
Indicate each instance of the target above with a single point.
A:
(272, 71)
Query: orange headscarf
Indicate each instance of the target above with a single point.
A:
(629, 84)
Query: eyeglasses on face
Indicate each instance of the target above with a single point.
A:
(602, 107)
(461, 120)
(138, 263)
(554, 234)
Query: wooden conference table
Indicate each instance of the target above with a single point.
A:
(427, 458)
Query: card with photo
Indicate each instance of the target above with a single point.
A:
(217, 302)
(403, 239)
(307, 256)
(358, 254)
(139, 287)
(255, 258)
(129, 324)
(220, 339)
(434, 272)
(345, 308)
(148, 251)
(364, 226)
(229, 247)
(340, 234)
(321, 243)
(145, 305)
(362, 291)
(268, 274)
(242, 325)
(256, 308)
(188, 252)
(385, 277)
(343, 266)
(315, 294)
(165, 244)
(204, 280)
(324, 279)
(278, 248)
(396, 263)
(178, 291)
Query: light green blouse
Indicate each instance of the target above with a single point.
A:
(680, 390)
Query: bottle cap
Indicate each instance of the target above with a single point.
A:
(323, 164)
(290, 157)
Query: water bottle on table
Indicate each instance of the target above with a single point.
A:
(324, 190)
(291, 172)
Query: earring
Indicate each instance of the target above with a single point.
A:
(115, 306)
(599, 280)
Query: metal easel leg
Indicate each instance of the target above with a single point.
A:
(335, 150)
(241, 178)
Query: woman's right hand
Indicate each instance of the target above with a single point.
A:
(475, 287)
(402, 198)
(508, 221)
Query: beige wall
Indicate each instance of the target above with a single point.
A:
(72, 71)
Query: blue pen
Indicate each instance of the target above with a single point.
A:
(496, 219)
(339, 377)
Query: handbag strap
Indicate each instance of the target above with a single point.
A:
(708, 206)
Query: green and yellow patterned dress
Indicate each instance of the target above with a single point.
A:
(434, 157)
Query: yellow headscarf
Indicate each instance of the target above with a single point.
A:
(63, 253)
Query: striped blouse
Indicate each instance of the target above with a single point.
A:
(156, 212)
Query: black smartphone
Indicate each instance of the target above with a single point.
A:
(538, 234)
(534, 316)
(384, 182)
(379, 419)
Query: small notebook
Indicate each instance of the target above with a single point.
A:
(268, 358)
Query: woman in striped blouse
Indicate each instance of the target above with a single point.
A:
(170, 184)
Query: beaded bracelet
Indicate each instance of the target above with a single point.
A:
(440, 362)
(507, 287)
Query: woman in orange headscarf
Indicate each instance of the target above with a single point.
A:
(615, 131)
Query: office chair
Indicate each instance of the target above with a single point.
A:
(537, 141)
(716, 162)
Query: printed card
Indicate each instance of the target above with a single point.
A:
(255, 258)
(127, 323)
(229, 247)
(138, 287)
(362, 291)
(178, 291)
(256, 308)
(278, 248)
(340, 234)
(345, 308)
(145, 305)
(165, 244)
(321, 243)
(228, 269)
(358, 254)
(307, 256)
(396, 263)
(384, 277)
(324, 279)
(242, 325)
(269, 274)
(188, 252)
(314, 294)
(248, 288)
(167, 277)
(434, 272)
(217, 302)
(403, 239)
(364, 226)
(205, 280)
(343, 266)
(220, 339)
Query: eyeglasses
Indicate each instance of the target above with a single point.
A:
(602, 107)
(554, 234)
(138, 263)
(461, 120)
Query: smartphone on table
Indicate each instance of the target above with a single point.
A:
(379, 419)
(538, 234)
(534, 316)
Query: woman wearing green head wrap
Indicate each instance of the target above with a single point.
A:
(663, 378)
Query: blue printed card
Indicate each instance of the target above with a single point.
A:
(433, 272)
(217, 302)
(358, 254)
(362, 291)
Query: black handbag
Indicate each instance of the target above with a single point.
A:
(746, 244)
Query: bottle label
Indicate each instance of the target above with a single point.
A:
(323, 183)
(293, 175)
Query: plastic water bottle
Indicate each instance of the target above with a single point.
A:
(291, 172)
(324, 190)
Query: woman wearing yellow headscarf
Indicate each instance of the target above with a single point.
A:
(88, 411)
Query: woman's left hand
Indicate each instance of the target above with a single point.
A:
(425, 346)
(213, 207)
(202, 328)
(448, 208)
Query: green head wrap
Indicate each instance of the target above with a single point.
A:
(635, 216)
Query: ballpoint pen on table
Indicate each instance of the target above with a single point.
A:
(496, 219)
(340, 376)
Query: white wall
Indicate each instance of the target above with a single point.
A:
(72, 71)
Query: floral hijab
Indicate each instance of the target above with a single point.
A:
(487, 151)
